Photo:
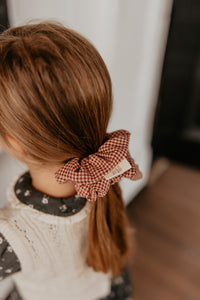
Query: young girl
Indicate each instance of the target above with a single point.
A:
(63, 231)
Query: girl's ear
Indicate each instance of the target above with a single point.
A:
(14, 143)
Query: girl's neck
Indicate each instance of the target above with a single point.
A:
(43, 180)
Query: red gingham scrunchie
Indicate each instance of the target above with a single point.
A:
(88, 174)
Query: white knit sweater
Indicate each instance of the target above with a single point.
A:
(51, 250)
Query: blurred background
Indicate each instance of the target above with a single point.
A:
(152, 51)
(131, 37)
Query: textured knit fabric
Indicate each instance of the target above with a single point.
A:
(121, 288)
(51, 250)
(26, 193)
(14, 295)
(89, 174)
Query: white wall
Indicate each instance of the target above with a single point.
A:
(131, 37)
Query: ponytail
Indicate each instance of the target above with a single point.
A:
(109, 242)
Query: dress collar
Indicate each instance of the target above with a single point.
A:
(27, 194)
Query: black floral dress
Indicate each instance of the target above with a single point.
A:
(121, 288)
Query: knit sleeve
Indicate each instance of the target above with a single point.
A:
(9, 263)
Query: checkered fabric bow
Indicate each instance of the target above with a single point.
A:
(89, 173)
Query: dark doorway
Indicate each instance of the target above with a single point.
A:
(177, 122)
(4, 23)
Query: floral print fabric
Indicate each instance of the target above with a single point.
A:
(9, 262)
(121, 287)
(62, 207)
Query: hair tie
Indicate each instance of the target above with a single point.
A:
(94, 174)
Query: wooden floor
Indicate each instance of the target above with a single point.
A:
(166, 215)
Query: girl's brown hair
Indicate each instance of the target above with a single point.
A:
(56, 101)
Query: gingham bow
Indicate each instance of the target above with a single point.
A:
(89, 173)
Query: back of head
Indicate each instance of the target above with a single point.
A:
(55, 86)
(56, 100)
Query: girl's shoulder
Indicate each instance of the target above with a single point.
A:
(9, 262)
